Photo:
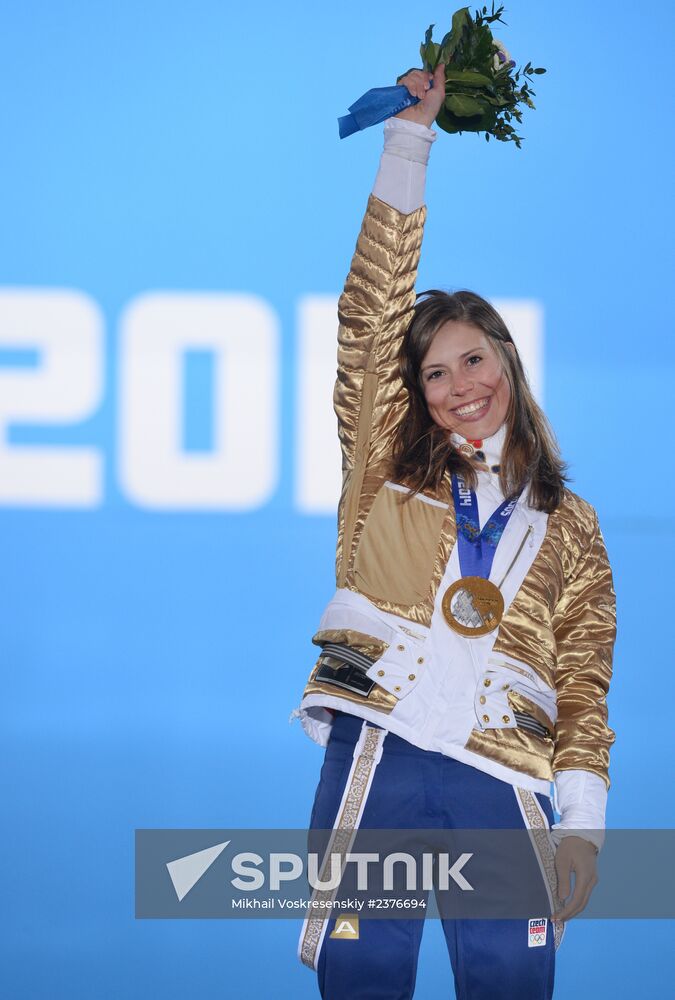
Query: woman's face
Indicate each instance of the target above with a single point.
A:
(464, 383)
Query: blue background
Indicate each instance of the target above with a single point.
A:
(150, 659)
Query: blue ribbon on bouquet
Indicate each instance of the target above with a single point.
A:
(375, 106)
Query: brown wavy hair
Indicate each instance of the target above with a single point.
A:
(423, 450)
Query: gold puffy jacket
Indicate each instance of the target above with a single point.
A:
(562, 621)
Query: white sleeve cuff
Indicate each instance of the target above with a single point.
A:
(581, 798)
(411, 140)
(401, 178)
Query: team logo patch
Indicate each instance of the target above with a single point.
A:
(536, 932)
(346, 927)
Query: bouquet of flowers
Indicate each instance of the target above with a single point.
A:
(482, 91)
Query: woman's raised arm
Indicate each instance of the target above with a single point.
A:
(378, 297)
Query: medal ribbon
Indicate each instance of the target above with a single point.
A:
(477, 548)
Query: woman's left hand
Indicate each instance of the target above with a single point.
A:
(574, 854)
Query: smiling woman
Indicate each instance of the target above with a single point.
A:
(464, 383)
(463, 374)
(466, 655)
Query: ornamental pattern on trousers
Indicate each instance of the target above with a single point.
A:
(341, 842)
(543, 845)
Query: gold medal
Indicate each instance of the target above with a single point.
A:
(473, 606)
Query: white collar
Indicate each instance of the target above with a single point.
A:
(489, 450)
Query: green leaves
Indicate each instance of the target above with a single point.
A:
(460, 19)
(447, 121)
(450, 122)
(461, 24)
(429, 51)
(482, 94)
(462, 106)
(467, 77)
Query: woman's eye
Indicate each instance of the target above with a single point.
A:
(433, 374)
(474, 359)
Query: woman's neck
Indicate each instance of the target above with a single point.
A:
(487, 450)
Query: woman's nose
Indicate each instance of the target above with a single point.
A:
(460, 385)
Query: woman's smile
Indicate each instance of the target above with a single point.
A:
(473, 411)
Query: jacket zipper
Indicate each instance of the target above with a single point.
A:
(520, 549)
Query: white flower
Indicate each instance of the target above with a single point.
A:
(502, 56)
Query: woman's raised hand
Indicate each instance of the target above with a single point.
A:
(418, 82)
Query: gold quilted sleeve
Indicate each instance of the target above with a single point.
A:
(374, 311)
(584, 625)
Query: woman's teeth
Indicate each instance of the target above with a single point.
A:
(466, 411)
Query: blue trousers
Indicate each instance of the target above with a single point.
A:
(417, 789)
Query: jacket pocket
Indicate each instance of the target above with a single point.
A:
(397, 550)
(508, 692)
